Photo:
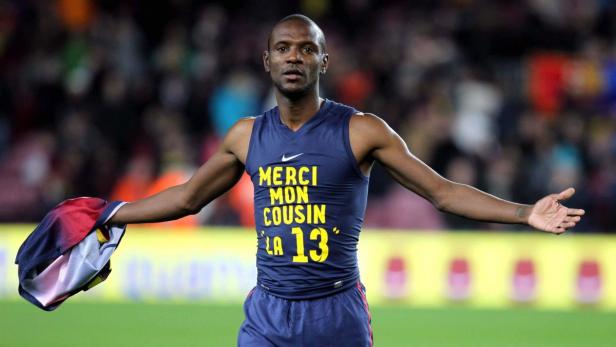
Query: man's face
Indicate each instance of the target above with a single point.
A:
(294, 59)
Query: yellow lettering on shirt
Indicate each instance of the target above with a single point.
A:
(278, 246)
(276, 196)
(290, 205)
(290, 176)
(265, 176)
(277, 176)
(304, 170)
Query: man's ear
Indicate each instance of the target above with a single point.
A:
(266, 63)
(324, 63)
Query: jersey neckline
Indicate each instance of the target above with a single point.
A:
(311, 123)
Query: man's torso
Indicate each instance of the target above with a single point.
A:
(310, 198)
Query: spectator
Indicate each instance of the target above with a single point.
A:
(472, 90)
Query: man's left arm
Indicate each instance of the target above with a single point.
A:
(384, 145)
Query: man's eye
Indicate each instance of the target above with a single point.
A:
(308, 50)
(281, 49)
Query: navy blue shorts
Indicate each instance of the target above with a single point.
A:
(338, 320)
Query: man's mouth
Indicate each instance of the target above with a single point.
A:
(295, 73)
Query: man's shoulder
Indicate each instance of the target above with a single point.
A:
(369, 130)
(241, 130)
(367, 122)
(237, 138)
(243, 127)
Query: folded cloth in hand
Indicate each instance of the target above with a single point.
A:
(68, 252)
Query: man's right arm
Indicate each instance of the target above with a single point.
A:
(211, 180)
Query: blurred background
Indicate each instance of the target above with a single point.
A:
(121, 99)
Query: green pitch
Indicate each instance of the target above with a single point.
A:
(152, 325)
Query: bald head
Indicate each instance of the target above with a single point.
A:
(303, 19)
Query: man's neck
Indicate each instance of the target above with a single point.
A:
(294, 113)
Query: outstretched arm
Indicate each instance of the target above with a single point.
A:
(211, 180)
(373, 139)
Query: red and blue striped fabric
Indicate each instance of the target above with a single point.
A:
(68, 251)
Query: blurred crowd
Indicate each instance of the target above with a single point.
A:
(120, 99)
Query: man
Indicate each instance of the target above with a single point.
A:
(309, 160)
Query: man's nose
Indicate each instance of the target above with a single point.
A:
(294, 55)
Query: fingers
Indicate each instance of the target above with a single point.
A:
(574, 219)
(575, 212)
(564, 226)
(565, 194)
(567, 225)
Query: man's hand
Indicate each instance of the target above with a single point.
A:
(549, 215)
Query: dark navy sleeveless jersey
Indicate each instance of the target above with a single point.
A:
(310, 198)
